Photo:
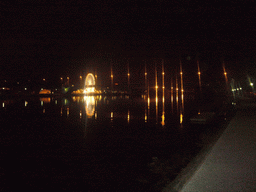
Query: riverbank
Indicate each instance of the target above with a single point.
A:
(226, 164)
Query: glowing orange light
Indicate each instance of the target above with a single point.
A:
(199, 73)
(163, 87)
(225, 73)
(128, 74)
(163, 118)
(61, 78)
(43, 79)
(181, 118)
(45, 99)
(163, 73)
(67, 77)
(81, 77)
(111, 76)
(145, 73)
(181, 73)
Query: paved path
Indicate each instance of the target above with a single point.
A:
(231, 163)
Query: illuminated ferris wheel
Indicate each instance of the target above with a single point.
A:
(90, 83)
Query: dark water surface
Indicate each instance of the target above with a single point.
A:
(95, 143)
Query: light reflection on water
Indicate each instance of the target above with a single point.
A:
(128, 116)
(89, 105)
(67, 111)
(162, 110)
(45, 100)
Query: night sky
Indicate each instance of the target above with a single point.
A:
(41, 40)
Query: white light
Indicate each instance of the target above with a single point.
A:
(237, 89)
(240, 88)
(251, 84)
(42, 89)
(26, 103)
(42, 103)
(89, 90)
(2, 104)
(25, 88)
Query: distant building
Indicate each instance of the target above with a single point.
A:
(45, 91)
